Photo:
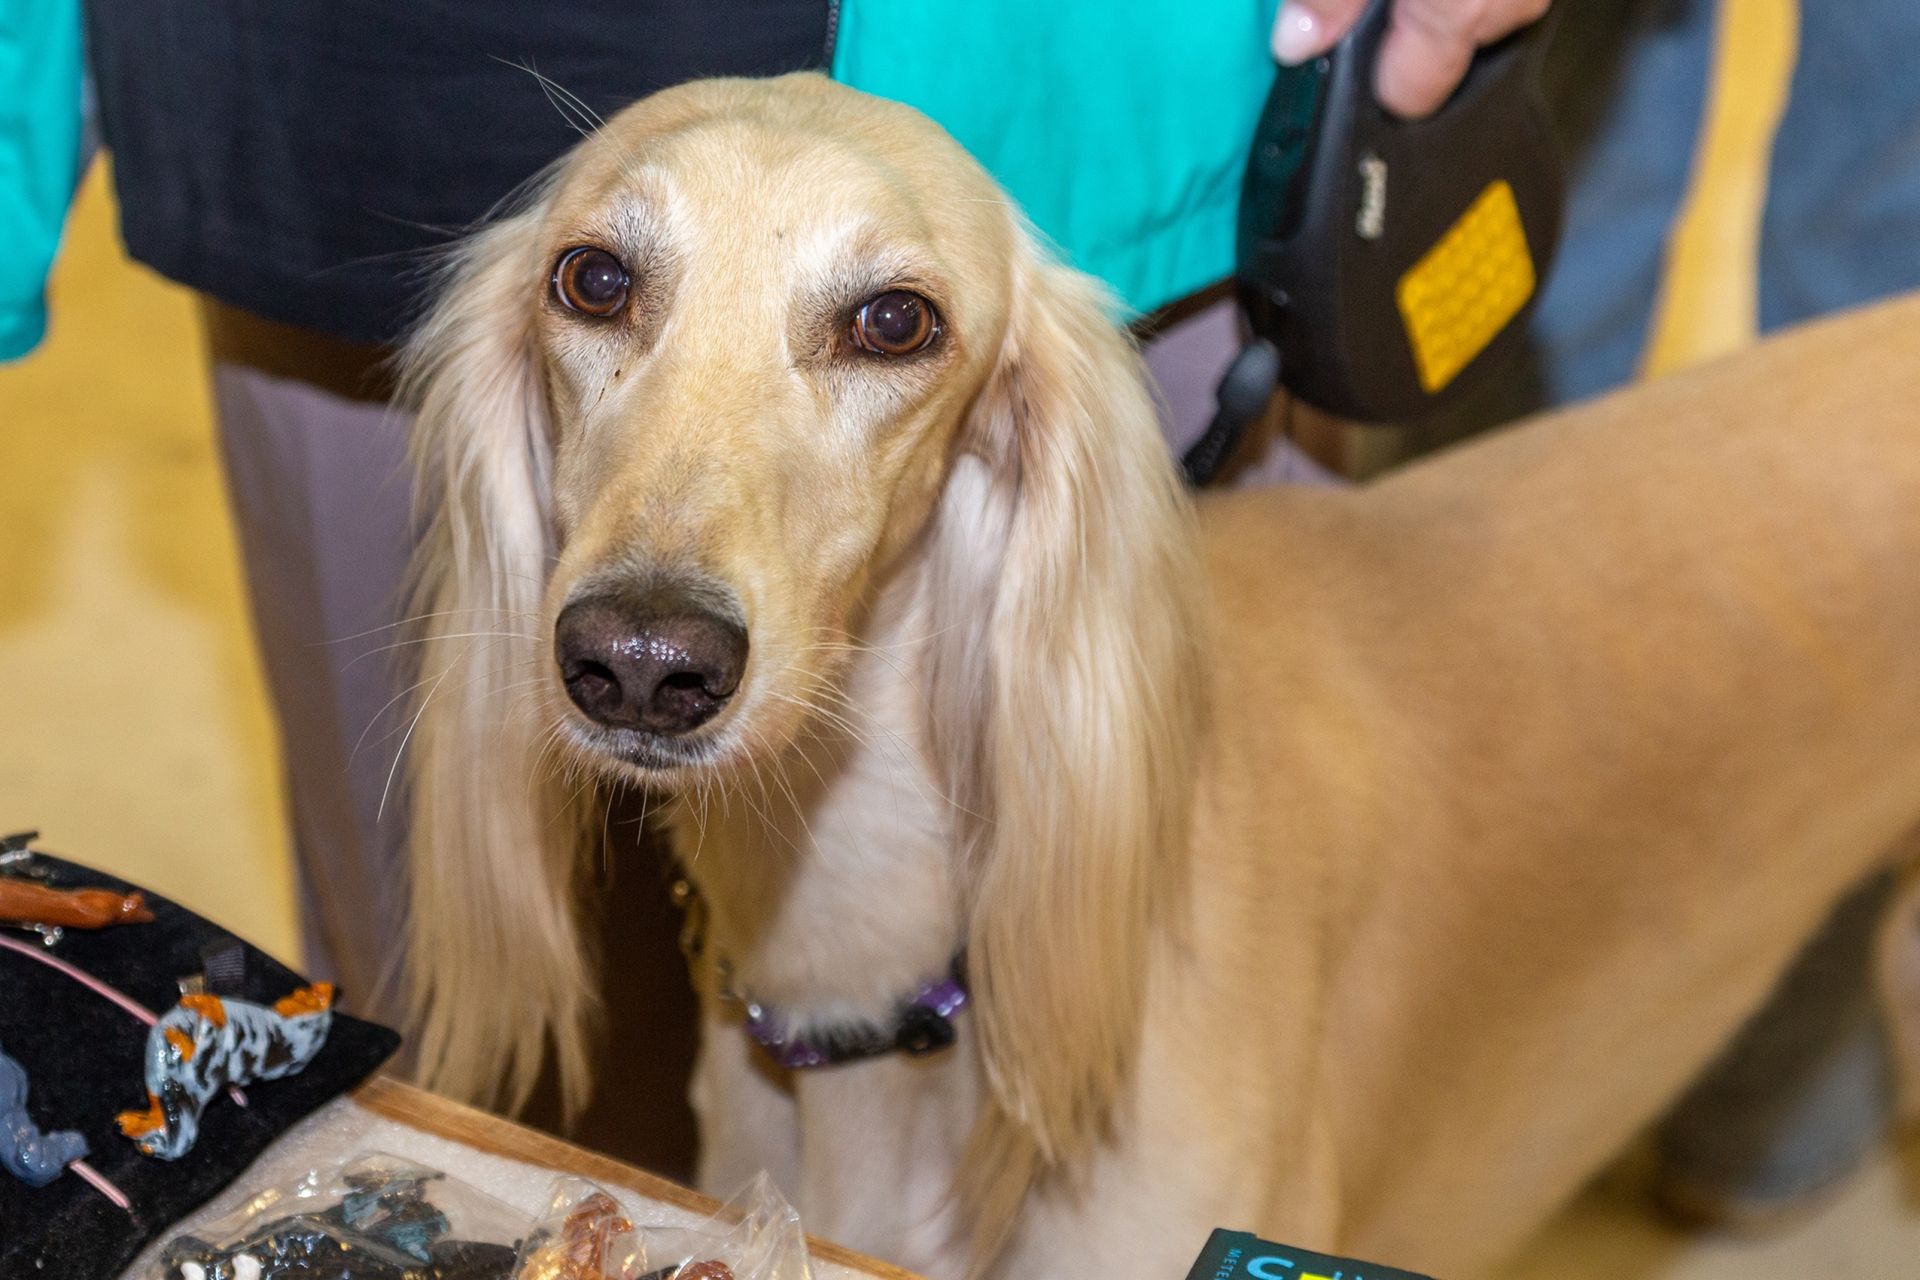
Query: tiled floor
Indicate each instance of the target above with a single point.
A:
(133, 727)
(1870, 1230)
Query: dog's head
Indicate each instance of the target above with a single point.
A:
(756, 316)
(749, 345)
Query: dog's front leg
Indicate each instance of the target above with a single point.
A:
(744, 1105)
(881, 1142)
(874, 1164)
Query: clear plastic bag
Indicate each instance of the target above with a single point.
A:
(374, 1218)
(383, 1218)
(586, 1235)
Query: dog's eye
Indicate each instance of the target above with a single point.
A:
(591, 280)
(896, 323)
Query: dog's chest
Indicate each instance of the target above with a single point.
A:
(832, 884)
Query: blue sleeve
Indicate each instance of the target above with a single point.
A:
(40, 122)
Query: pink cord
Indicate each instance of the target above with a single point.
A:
(84, 978)
(98, 1181)
(100, 989)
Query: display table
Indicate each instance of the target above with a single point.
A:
(508, 1161)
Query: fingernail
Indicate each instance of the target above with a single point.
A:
(1296, 36)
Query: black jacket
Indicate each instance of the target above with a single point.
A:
(301, 158)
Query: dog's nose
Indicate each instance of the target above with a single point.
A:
(666, 672)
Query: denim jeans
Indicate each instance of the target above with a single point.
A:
(1628, 83)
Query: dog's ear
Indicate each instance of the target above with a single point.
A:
(496, 967)
(1066, 701)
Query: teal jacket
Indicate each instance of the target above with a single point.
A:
(40, 121)
(1120, 125)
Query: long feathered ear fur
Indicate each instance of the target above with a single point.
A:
(1066, 705)
(496, 962)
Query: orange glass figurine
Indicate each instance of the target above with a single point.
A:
(593, 1244)
(580, 1250)
(28, 902)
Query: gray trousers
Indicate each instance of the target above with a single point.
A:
(320, 497)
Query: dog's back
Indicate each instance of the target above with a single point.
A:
(1593, 720)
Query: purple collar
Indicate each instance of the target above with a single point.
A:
(922, 1024)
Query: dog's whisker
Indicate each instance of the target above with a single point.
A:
(904, 754)
(698, 812)
(606, 837)
(400, 753)
(374, 720)
(573, 109)
(837, 721)
(579, 103)
(418, 618)
(548, 757)
(422, 640)
(767, 823)
(549, 89)
(585, 783)
(908, 754)
(799, 810)
(867, 646)
(904, 749)
(479, 670)
(880, 651)
(812, 733)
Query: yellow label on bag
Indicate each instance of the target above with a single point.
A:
(1465, 289)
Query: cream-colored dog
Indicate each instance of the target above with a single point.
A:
(1358, 867)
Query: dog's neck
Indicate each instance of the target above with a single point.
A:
(832, 875)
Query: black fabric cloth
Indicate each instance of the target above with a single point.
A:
(84, 1062)
(299, 158)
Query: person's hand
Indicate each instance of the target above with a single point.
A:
(1427, 47)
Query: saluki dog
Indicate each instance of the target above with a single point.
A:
(1360, 867)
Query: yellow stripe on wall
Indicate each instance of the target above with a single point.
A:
(1709, 297)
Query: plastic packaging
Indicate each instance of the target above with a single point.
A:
(585, 1235)
(374, 1218)
(382, 1218)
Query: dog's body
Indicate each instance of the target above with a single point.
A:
(1529, 770)
(1367, 889)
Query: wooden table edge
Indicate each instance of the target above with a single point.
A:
(457, 1122)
